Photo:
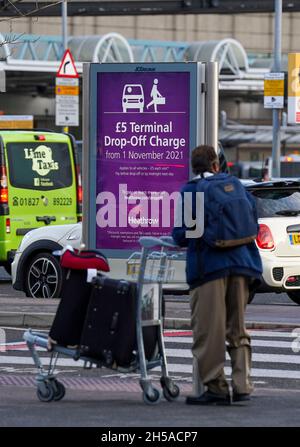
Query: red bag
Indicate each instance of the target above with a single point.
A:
(86, 259)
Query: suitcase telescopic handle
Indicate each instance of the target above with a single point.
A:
(164, 241)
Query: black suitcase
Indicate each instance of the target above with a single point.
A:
(109, 333)
(150, 337)
(70, 316)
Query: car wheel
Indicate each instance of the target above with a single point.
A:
(295, 296)
(43, 276)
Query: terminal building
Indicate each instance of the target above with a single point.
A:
(31, 51)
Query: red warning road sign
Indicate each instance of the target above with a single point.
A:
(67, 67)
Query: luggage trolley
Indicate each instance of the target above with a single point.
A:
(151, 268)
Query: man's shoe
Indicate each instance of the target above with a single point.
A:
(240, 397)
(209, 398)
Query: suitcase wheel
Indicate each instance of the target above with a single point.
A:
(170, 390)
(153, 397)
(45, 392)
(50, 390)
(59, 390)
(171, 394)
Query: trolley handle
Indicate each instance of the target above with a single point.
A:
(164, 241)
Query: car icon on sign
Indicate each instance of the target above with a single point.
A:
(133, 97)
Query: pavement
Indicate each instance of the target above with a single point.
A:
(20, 311)
(82, 408)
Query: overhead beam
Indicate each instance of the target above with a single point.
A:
(154, 7)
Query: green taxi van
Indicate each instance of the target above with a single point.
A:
(40, 185)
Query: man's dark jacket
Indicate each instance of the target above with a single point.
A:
(205, 263)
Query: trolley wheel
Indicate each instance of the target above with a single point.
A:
(45, 392)
(172, 393)
(58, 389)
(152, 399)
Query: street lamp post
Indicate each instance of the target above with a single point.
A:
(64, 12)
(64, 7)
(276, 69)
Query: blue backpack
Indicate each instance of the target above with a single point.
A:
(230, 218)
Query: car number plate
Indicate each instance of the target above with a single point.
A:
(295, 239)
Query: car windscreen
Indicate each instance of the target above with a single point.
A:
(133, 90)
(271, 201)
(39, 165)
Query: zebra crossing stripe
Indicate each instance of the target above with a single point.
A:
(177, 336)
(256, 357)
(171, 353)
(174, 339)
(15, 360)
(254, 342)
(255, 372)
(181, 340)
(277, 334)
(253, 333)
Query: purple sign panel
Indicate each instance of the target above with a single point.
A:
(143, 135)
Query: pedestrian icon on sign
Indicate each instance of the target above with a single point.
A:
(157, 98)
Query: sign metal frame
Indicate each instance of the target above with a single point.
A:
(90, 119)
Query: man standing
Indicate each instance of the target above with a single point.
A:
(219, 277)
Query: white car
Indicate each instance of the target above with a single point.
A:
(278, 207)
(35, 269)
(37, 272)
